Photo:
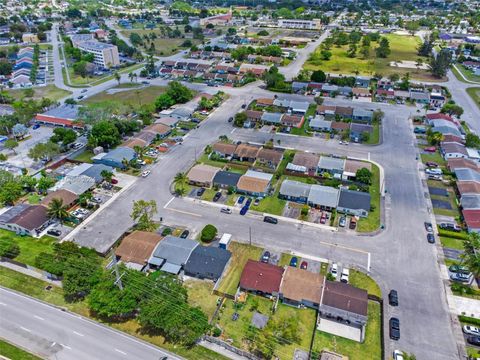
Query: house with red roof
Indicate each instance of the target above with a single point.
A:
(62, 116)
(261, 278)
(472, 220)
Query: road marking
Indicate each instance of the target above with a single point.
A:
(121, 352)
(66, 347)
(38, 317)
(77, 333)
(186, 212)
(25, 329)
(231, 132)
(169, 201)
(368, 262)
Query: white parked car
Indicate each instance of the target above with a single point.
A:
(334, 270)
(226, 210)
(471, 330)
(398, 355)
(345, 275)
(145, 173)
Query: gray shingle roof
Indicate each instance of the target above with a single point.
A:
(467, 175)
(226, 178)
(355, 200)
(319, 122)
(323, 196)
(471, 201)
(331, 163)
(295, 189)
(207, 262)
(120, 153)
(175, 250)
(274, 118)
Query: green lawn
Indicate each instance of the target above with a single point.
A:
(363, 281)
(473, 352)
(85, 156)
(454, 211)
(451, 243)
(271, 204)
(238, 330)
(402, 48)
(33, 199)
(205, 160)
(370, 349)
(474, 93)
(29, 247)
(208, 194)
(50, 91)
(200, 294)
(10, 351)
(468, 74)
(305, 130)
(36, 288)
(372, 221)
(241, 253)
(285, 259)
(435, 157)
(375, 136)
(132, 98)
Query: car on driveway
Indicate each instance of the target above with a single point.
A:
(393, 298)
(200, 191)
(270, 220)
(394, 326)
(431, 238)
(184, 234)
(428, 226)
(460, 277)
(226, 210)
(304, 265)
(345, 275)
(217, 196)
(249, 201)
(431, 164)
(294, 261)
(243, 210)
(266, 256)
(430, 149)
(471, 330)
(36, 126)
(458, 269)
(353, 224)
(474, 340)
(334, 270)
(450, 227)
(323, 218)
(54, 232)
(398, 355)
(342, 222)
(241, 199)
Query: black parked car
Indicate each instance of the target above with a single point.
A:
(217, 196)
(200, 191)
(431, 238)
(270, 220)
(266, 256)
(393, 298)
(428, 227)
(474, 340)
(394, 328)
(185, 234)
(54, 232)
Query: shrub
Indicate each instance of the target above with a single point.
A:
(166, 231)
(9, 248)
(453, 234)
(469, 320)
(217, 332)
(208, 233)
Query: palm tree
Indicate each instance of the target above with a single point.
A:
(106, 175)
(56, 210)
(117, 77)
(138, 150)
(180, 180)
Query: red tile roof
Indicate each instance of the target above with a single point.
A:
(262, 277)
(56, 120)
(472, 218)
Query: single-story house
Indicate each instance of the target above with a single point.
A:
(168, 121)
(295, 121)
(224, 150)
(344, 303)
(76, 184)
(136, 248)
(362, 115)
(308, 160)
(254, 115)
(160, 130)
(331, 165)
(246, 152)
(447, 130)
(354, 202)
(473, 154)
(318, 123)
(352, 166)
(472, 220)
(25, 220)
(271, 118)
(340, 126)
(116, 158)
(362, 81)
(453, 150)
(420, 97)
(226, 179)
(254, 183)
(294, 191)
(269, 158)
(171, 254)
(133, 142)
(326, 110)
(265, 102)
(202, 175)
(300, 287)
(207, 262)
(470, 202)
(323, 197)
(357, 130)
(345, 112)
(67, 197)
(461, 163)
(64, 116)
(361, 92)
(11, 213)
(93, 171)
(261, 278)
(468, 187)
(467, 174)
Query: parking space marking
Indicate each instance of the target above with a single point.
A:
(169, 201)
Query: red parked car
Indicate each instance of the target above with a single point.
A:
(431, 149)
(114, 181)
(304, 265)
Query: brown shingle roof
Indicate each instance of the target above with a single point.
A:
(274, 156)
(262, 277)
(321, 109)
(345, 297)
(301, 285)
(338, 125)
(461, 163)
(344, 111)
(250, 184)
(134, 142)
(265, 101)
(254, 114)
(308, 160)
(202, 173)
(360, 91)
(352, 166)
(468, 187)
(159, 129)
(292, 119)
(246, 151)
(224, 148)
(138, 247)
(31, 218)
(67, 197)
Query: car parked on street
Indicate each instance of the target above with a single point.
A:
(431, 238)
(226, 210)
(146, 173)
(398, 355)
(471, 330)
(474, 340)
(270, 220)
(393, 297)
(428, 226)
(394, 326)
(294, 261)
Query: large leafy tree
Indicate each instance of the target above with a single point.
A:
(104, 133)
(471, 255)
(80, 275)
(10, 191)
(439, 64)
(364, 176)
(45, 151)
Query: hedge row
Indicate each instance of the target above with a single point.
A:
(469, 320)
(453, 234)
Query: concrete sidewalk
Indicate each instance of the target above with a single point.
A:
(30, 272)
(464, 306)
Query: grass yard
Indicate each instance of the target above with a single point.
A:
(205, 160)
(85, 156)
(305, 130)
(435, 157)
(49, 91)
(240, 254)
(372, 221)
(271, 204)
(375, 136)
(29, 247)
(10, 351)
(200, 294)
(468, 74)
(285, 259)
(473, 352)
(370, 349)
(363, 281)
(132, 98)
(36, 288)
(238, 330)
(208, 194)
(33, 199)
(402, 48)
(474, 93)
(454, 211)
(451, 243)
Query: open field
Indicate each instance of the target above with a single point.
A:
(241, 253)
(402, 48)
(50, 91)
(370, 349)
(131, 97)
(474, 93)
(10, 351)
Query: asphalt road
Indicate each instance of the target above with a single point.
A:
(56, 334)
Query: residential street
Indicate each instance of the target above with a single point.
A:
(56, 334)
